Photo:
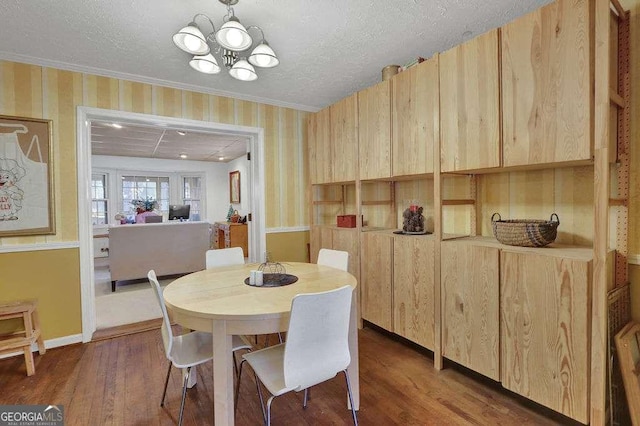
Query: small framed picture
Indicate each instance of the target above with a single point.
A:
(26, 177)
(234, 187)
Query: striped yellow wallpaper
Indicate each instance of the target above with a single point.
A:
(34, 91)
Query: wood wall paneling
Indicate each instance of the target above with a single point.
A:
(469, 105)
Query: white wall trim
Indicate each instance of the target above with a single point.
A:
(49, 344)
(84, 116)
(39, 246)
(287, 229)
(148, 80)
(634, 259)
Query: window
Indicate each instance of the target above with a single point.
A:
(192, 195)
(99, 210)
(143, 188)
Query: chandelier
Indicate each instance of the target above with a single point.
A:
(232, 43)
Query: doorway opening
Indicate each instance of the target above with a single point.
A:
(255, 189)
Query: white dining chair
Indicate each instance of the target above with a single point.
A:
(224, 257)
(334, 258)
(187, 350)
(316, 350)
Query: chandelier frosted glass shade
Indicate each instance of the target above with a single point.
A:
(263, 56)
(206, 64)
(234, 36)
(242, 70)
(191, 40)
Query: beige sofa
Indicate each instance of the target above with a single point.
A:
(169, 248)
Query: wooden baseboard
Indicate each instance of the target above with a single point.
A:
(123, 330)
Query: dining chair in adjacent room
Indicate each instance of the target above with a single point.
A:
(316, 350)
(224, 257)
(187, 350)
(334, 258)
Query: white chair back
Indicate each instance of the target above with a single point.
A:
(334, 258)
(317, 346)
(224, 257)
(167, 333)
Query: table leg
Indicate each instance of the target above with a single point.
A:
(222, 374)
(353, 370)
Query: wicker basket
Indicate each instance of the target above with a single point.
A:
(525, 232)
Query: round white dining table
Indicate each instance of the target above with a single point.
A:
(218, 301)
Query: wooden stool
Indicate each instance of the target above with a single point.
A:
(23, 339)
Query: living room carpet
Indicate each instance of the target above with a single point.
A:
(132, 302)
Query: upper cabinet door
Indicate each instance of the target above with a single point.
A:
(469, 105)
(374, 131)
(344, 138)
(546, 90)
(319, 132)
(415, 118)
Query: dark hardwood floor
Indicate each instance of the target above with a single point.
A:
(119, 382)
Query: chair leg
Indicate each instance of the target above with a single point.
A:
(307, 397)
(264, 415)
(269, 410)
(184, 395)
(235, 398)
(166, 382)
(353, 408)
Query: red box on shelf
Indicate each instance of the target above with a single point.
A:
(347, 221)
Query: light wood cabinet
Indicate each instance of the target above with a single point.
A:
(346, 239)
(469, 105)
(377, 279)
(470, 308)
(546, 85)
(413, 289)
(415, 118)
(320, 152)
(344, 139)
(374, 131)
(228, 234)
(545, 330)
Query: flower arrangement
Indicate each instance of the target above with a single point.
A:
(145, 205)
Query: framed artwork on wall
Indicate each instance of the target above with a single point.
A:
(234, 187)
(26, 177)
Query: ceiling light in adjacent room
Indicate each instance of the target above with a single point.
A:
(183, 156)
(116, 125)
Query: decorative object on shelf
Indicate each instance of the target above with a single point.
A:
(234, 187)
(413, 220)
(26, 177)
(412, 63)
(232, 43)
(235, 217)
(389, 71)
(525, 232)
(230, 213)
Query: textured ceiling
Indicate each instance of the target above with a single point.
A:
(328, 49)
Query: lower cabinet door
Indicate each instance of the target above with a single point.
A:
(413, 289)
(545, 330)
(470, 306)
(377, 253)
(346, 239)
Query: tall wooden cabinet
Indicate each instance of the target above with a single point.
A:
(376, 279)
(415, 118)
(546, 85)
(374, 131)
(320, 150)
(545, 341)
(344, 139)
(469, 105)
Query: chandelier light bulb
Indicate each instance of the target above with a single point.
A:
(191, 40)
(206, 64)
(243, 70)
(263, 56)
(234, 37)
